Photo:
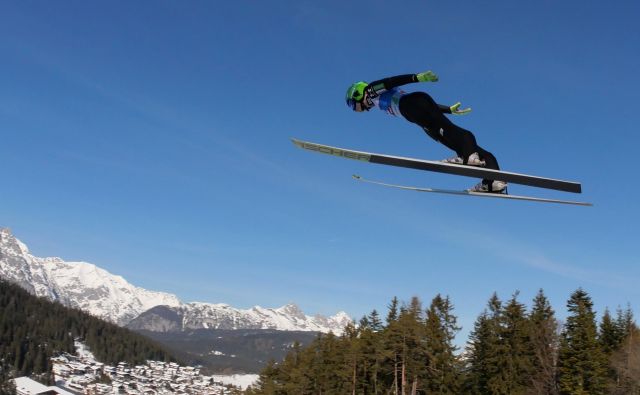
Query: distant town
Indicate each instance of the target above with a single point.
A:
(152, 378)
(82, 374)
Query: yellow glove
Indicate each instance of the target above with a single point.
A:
(427, 76)
(455, 109)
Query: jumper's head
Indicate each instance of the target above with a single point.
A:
(356, 97)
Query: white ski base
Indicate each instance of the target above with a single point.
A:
(475, 194)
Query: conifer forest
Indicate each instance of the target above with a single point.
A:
(510, 350)
(409, 349)
(33, 329)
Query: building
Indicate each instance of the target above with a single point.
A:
(26, 386)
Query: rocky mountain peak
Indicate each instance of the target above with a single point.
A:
(90, 288)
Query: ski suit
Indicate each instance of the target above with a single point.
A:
(421, 109)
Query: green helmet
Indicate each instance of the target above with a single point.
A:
(355, 94)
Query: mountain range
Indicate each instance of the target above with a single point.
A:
(94, 290)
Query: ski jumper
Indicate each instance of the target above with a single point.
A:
(421, 109)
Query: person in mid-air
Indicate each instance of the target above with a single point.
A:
(421, 109)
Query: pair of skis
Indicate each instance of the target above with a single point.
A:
(461, 170)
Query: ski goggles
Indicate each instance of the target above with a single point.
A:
(359, 105)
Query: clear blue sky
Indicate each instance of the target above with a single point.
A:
(152, 139)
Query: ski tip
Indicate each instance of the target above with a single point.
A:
(296, 142)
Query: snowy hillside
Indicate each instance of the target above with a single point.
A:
(76, 284)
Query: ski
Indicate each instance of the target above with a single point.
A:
(476, 194)
(436, 166)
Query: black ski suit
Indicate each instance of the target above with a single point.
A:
(421, 109)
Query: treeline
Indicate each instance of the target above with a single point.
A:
(33, 329)
(511, 350)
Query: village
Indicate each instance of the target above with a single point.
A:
(82, 374)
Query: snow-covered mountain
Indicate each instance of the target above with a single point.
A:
(221, 316)
(76, 284)
(100, 293)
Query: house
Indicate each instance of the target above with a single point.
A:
(26, 386)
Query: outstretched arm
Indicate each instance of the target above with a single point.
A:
(377, 87)
(392, 82)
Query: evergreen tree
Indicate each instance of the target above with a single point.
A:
(415, 356)
(484, 350)
(372, 354)
(293, 377)
(625, 363)
(375, 322)
(367, 370)
(610, 335)
(393, 349)
(443, 370)
(267, 382)
(339, 367)
(501, 352)
(354, 357)
(544, 343)
(581, 363)
(517, 358)
(392, 314)
(625, 322)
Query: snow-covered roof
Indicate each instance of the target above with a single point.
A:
(25, 385)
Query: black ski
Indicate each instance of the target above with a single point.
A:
(436, 166)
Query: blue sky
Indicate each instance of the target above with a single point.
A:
(152, 139)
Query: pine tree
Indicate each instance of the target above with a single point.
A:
(393, 349)
(626, 364)
(371, 346)
(625, 322)
(368, 370)
(498, 357)
(610, 335)
(544, 342)
(581, 363)
(501, 354)
(292, 371)
(517, 358)
(354, 355)
(415, 357)
(392, 314)
(267, 383)
(336, 372)
(484, 350)
(443, 375)
(375, 322)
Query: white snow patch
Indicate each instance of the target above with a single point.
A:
(239, 380)
(83, 351)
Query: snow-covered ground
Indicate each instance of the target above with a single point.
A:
(237, 380)
(83, 352)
